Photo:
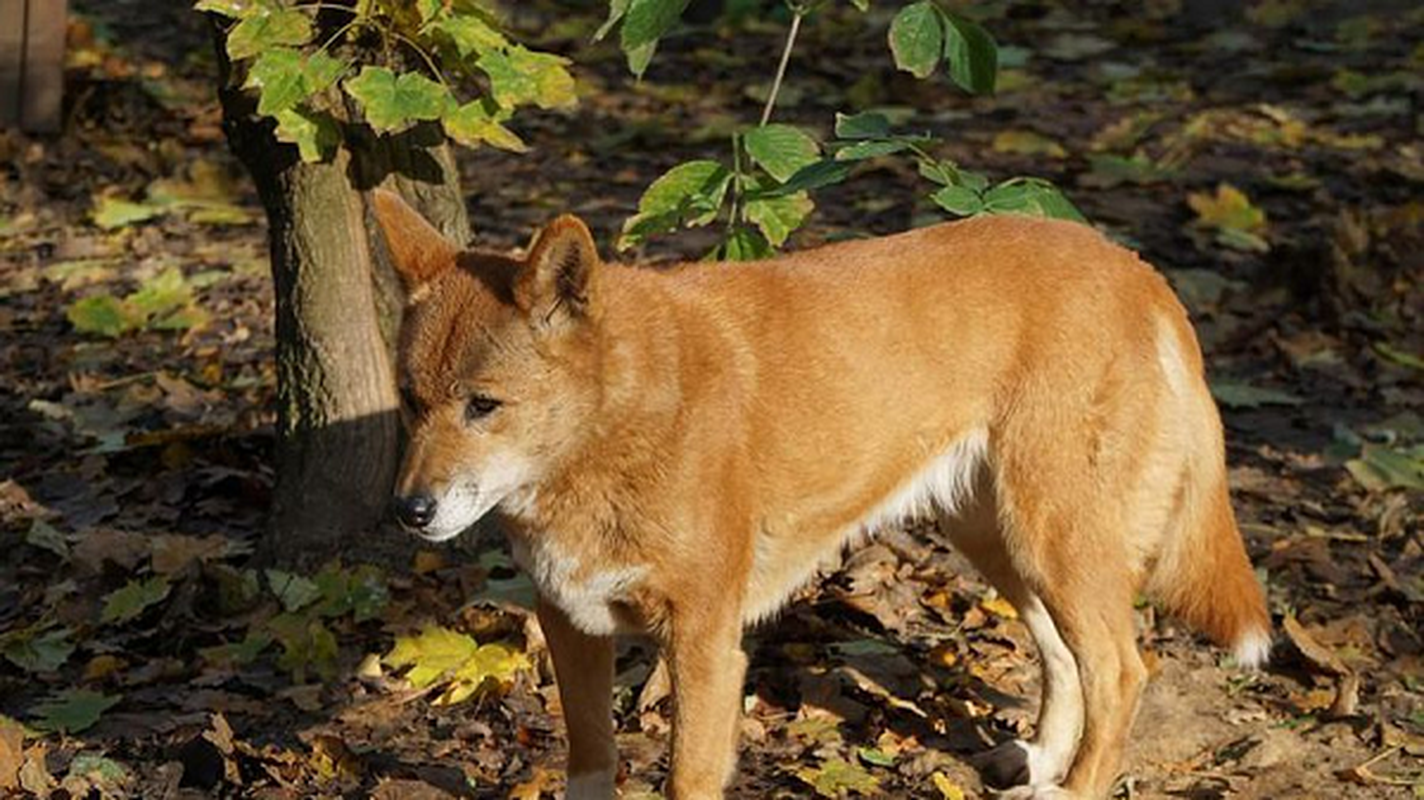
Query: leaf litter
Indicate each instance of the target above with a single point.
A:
(137, 430)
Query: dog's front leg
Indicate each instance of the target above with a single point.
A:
(708, 667)
(583, 667)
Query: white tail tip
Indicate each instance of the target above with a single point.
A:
(1253, 649)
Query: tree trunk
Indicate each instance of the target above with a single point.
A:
(338, 306)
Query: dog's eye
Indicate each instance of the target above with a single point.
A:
(480, 407)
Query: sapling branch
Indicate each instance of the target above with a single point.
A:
(797, 12)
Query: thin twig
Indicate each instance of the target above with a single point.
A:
(781, 68)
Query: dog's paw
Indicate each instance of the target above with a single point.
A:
(1046, 792)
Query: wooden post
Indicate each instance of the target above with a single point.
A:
(32, 63)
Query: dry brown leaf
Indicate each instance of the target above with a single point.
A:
(1319, 656)
(534, 788)
(12, 756)
(34, 775)
(172, 553)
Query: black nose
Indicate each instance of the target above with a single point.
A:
(415, 511)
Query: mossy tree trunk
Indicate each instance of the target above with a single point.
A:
(338, 308)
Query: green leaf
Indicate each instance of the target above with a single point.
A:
(277, 75)
(306, 644)
(781, 150)
(237, 653)
(471, 35)
(113, 212)
(97, 769)
(1029, 196)
(360, 592)
(824, 172)
(865, 125)
(617, 9)
(430, 10)
(959, 200)
(1381, 468)
(745, 244)
(33, 651)
(875, 757)
(322, 71)
(647, 20)
(1235, 394)
(836, 777)
(689, 193)
(972, 56)
(292, 590)
(778, 217)
(234, 9)
(72, 710)
(473, 124)
(871, 149)
(315, 134)
(917, 38)
(519, 76)
(160, 295)
(46, 537)
(1389, 352)
(266, 29)
(122, 605)
(393, 103)
(102, 314)
(640, 57)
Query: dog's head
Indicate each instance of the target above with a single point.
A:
(495, 367)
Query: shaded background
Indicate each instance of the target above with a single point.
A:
(146, 455)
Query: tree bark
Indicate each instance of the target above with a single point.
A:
(338, 305)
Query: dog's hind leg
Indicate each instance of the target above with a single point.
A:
(1045, 758)
(583, 667)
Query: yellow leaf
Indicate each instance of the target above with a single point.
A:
(1028, 143)
(1229, 208)
(998, 606)
(439, 655)
(428, 561)
(948, 789)
(432, 654)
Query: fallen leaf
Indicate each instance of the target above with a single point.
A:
(1235, 394)
(12, 755)
(948, 789)
(1238, 223)
(837, 777)
(72, 710)
(133, 599)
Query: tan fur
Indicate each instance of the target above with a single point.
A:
(678, 449)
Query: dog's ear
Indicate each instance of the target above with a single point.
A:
(419, 251)
(555, 284)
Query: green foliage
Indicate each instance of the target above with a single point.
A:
(133, 599)
(34, 649)
(72, 710)
(763, 195)
(164, 302)
(395, 102)
(290, 66)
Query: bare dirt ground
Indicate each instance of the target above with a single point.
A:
(147, 660)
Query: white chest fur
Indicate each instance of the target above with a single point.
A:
(591, 597)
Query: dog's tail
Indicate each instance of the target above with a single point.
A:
(1204, 577)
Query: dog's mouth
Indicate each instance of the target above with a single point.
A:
(451, 513)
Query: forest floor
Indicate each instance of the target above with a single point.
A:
(144, 657)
